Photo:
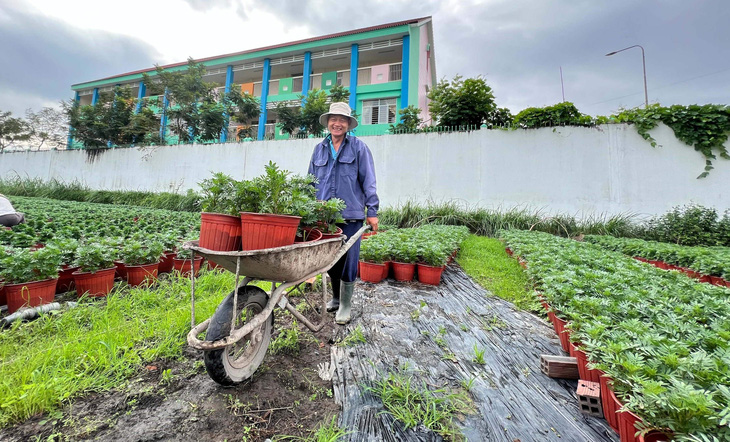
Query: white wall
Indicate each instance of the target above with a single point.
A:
(580, 171)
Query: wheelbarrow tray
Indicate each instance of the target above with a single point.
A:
(286, 263)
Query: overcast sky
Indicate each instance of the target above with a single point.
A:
(519, 46)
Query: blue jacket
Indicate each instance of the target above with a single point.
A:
(351, 177)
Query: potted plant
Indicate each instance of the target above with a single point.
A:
(95, 276)
(327, 215)
(433, 258)
(220, 225)
(183, 262)
(371, 266)
(169, 242)
(30, 277)
(405, 256)
(141, 261)
(272, 207)
(67, 247)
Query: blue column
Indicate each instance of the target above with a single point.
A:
(229, 81)
(163, 120)
(354, 57)
(95, 96)
(405, 71)
(70, 140)
(264, 95)
(306, 73)
(140, 95)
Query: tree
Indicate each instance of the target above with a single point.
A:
(243, 108)
(339, 93)
(461, 102)
(12, 130)
(501, 117)
(304, 118)
(409, 120)
(48, 127)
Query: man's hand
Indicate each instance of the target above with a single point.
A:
(372, 221)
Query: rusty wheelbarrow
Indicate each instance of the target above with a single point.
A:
(238, 334)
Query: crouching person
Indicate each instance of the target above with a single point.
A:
(8, 216)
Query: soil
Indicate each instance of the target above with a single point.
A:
(425, 331)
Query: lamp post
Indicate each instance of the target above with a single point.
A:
(643, 63)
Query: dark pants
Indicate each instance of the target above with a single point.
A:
(346, 267)
(13, 219)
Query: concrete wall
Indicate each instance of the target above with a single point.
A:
(579, 171)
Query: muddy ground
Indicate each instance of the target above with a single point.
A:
(427, 332)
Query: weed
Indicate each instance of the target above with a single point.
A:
(420, 406)
(415, 314)
(479, 355)
(449, 357)
(355, 337)
(167, 377)
(464, 328)
(468, 383)
(287, 341)
(235, 406)
(492, 322)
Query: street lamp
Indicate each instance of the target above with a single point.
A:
(643, 63)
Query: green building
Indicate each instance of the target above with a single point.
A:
(386, 68)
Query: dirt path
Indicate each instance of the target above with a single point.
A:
(432, 330)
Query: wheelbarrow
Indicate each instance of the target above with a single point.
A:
(239, 332)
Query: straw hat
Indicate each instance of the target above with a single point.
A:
(339, 108)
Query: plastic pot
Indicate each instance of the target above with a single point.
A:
(220, 232)
(66, 279)
(142, 274)
(98, 283)
(403, 271)
(429, 274)
(165, 265)
(30, 294)
(184, 265)
(370, 271)
(266, 230)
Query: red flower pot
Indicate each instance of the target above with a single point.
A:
(386, 269)
(220, 232)
(716, 280)
(165, 265)
(627, 426)
(183, 265)
(337, 233)
(371, 272)
(30, 294)
(583, 370)
(143, 274)
(65, 279)
(309, 236)
(98, 283)
(508, 250)
(367, 234)
(609, 402)
(563, 334)
(265, 230)
(403, 271)
(120, 270)
(705, 278)
(3, 301)
(655, 436)
(429, 274)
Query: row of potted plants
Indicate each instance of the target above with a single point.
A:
(712, 264)
(32, 277)
(659, 339)
(270, 210)
(427, 248)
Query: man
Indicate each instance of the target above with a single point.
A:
(8, 216)
(344, 167)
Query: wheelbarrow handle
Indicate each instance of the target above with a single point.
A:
(348, 245)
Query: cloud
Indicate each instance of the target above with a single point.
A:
(43, 57)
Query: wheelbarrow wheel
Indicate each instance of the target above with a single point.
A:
(237, 362)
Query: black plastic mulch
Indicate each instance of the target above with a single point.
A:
(513, 399)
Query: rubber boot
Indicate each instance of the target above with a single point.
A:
(334, 303)
(343, 314)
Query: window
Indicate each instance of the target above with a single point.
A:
(343, 78)
(379, 111)
(297, 83)
(395, 73)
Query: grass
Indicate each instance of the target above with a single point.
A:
(327, 431)
(414, 406)
(487, 222)
(485, 260)
(76, 191)
(355, 337)
(99, 344)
